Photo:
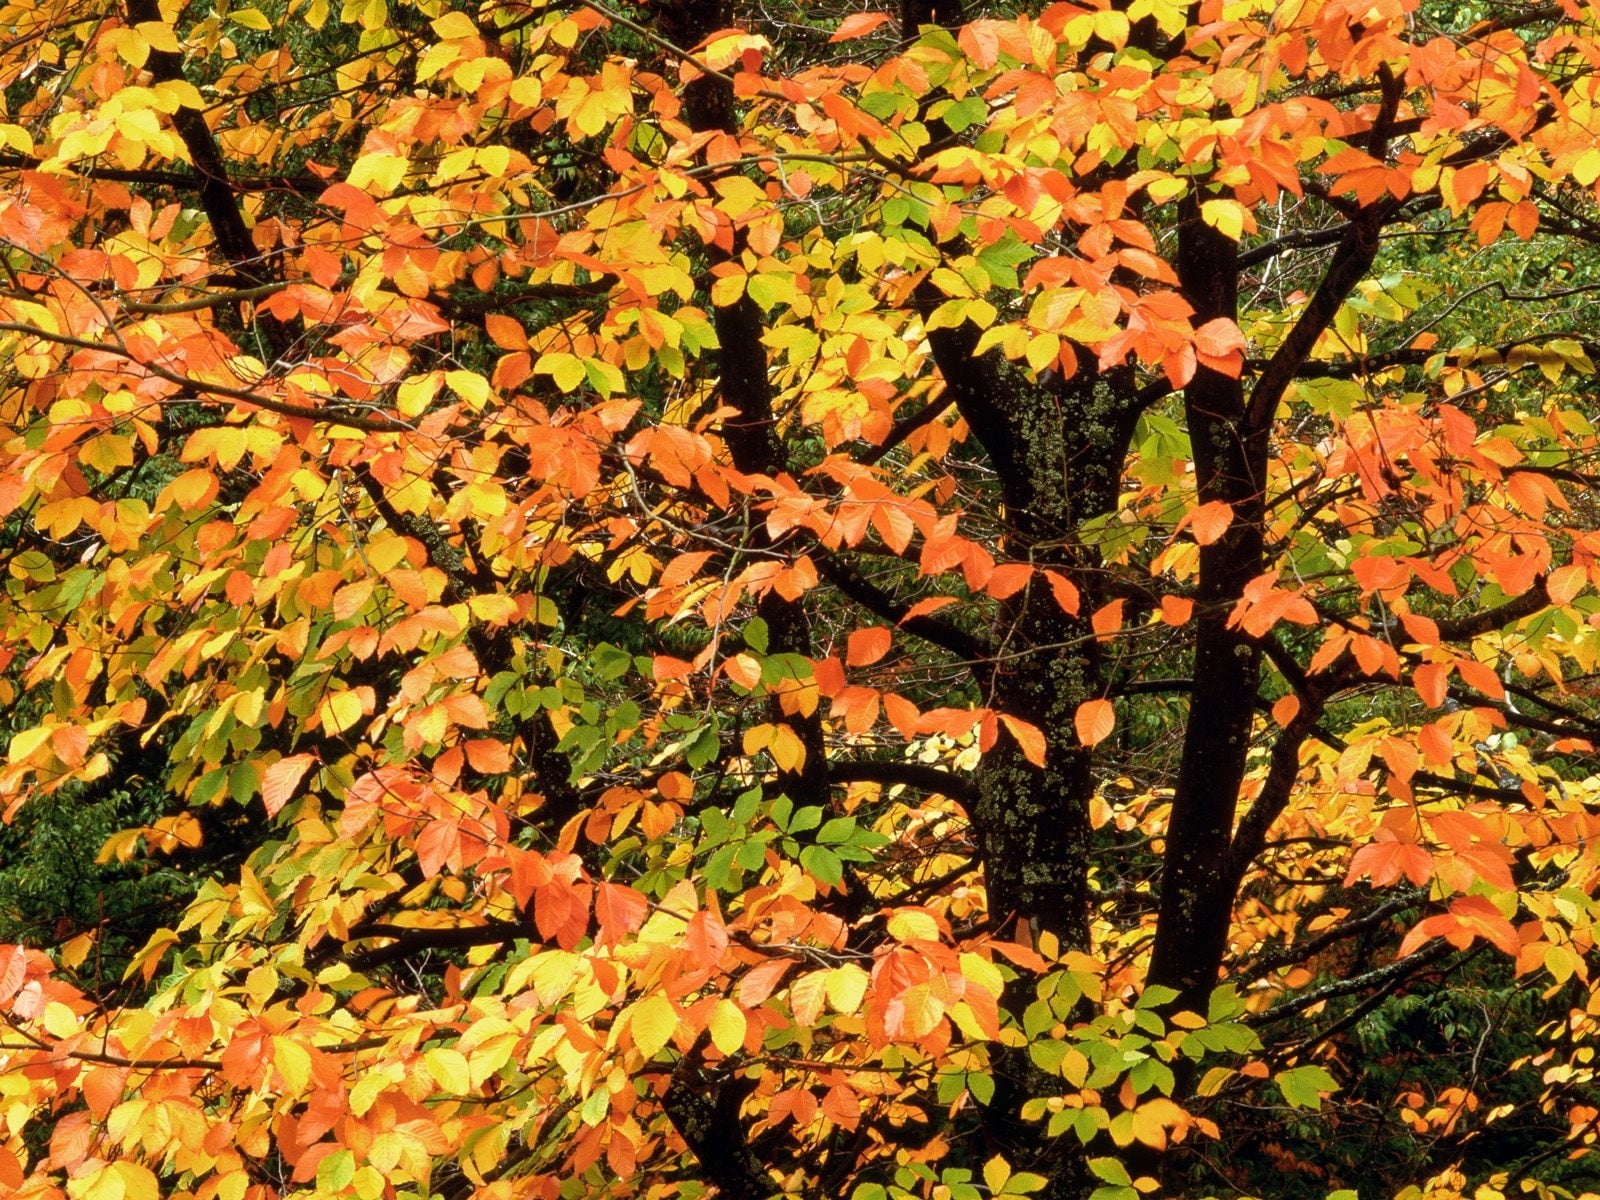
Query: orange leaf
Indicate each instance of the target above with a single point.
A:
(620, 910)
(11, 1176)
(1209, 522)
(858, 25)
(505, 332)
(1285, 710)
(1028, 737)
(1219, 345)
(866, 646)
(1176, 610)
(743, 670)
(1107, 618)
(759, 983)
(675, 785)
(902, 714)
(1385, 860)
(280, 779)
(928, 605)
(1008, 580)
(1523, 219)
(1565, 583)
(1481, 676)
(1064, 590)
(1431, 681)
(1095, 719)
(488, 756)
(1435, 744)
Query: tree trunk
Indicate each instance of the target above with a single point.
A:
(1230, 466)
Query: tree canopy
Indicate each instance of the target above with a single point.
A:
(679, 599)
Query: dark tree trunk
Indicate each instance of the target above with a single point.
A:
(1230, 456)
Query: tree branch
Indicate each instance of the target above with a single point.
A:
(877, 601)
(917, 775)
(410, 939)
(1387, 977)
(200, 388)
(1525, 605)
(1300, 952)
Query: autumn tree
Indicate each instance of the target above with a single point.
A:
(953, 602)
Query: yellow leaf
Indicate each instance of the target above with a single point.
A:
(340, 711)
(59, 1020)
(260, 984)
(980, 971)
(727, 1027)
(786, 748)
(75, 951)
(130, 45)
(293, 1062)
(493, 609)
(1227, 217)
(565, 369)
(470, 386)
(1586, 167)
(410, 279)
(454, 25)
(250, 18)
(845, 987)
(1166, 188)
(414, 395)
(806, 996)
(159, 36)
(378, 172)
(651, 1021)
(911, 925)
(179, 93)
(996, 1171)
(448, 1068)
(435, 59)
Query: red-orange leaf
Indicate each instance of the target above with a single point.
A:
(1386, 859)
(620, 910)
(1064, 590)
(867, 646)
(280, 779)
(1008, 579)
(858, 25)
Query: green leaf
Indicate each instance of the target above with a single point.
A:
(1022, 1183)
(610, 662)
(705, 747)
(1111, 1170)
(1157, 995)
(1224, 1003)
(335, 1172)
(963, 113)
(823, 864)
(755, 635)
(806, 818)
(1302, 1087)
(981, 1086)
(837, 830)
